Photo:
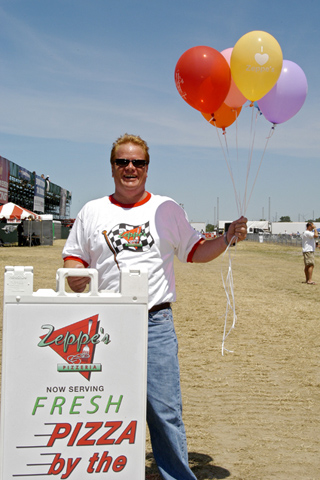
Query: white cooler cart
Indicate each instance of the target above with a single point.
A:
(74, 369)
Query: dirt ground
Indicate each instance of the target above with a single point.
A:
(253, 414)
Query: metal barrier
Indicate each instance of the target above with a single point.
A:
(289, 240)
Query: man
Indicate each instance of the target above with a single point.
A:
(308, 248)
(135, 228)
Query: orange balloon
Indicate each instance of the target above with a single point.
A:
(223, 117)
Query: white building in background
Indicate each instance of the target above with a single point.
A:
(289, 228)
(253, 226)
(261, 226)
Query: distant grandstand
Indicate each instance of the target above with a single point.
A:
(33, 192)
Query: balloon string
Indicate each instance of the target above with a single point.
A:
(241, 207)
(238, 164)
(226, 142)
(228, 283)
(253, 135)
(229, 169)
(229, 290)
(263, 154)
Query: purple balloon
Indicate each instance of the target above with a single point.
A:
(288, 95)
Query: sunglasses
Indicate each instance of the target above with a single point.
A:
(124, 162)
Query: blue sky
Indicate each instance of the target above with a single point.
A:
(76, 74)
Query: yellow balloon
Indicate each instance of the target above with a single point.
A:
(256, 63)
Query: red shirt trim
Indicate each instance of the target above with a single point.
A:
(194, 248)
(77, 259)
(130, 205)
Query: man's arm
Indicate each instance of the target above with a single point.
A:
(210, 249)
(315, 231)
(77, 284)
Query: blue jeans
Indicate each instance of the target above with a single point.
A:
(164, 405)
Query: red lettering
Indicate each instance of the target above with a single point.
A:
(119, 463)
(61, 430)
(74, 434)
(57, 465)
(105, 440)
(94, 427)
(129, 433)
(104, 459)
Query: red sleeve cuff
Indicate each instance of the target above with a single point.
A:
(194, 248)
(77, 259)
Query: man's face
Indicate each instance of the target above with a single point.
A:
(129, 180)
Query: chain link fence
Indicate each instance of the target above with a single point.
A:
(289, 240)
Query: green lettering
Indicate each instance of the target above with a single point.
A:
(75, 404)
(92, 401)
(57, 403)
(37, 404)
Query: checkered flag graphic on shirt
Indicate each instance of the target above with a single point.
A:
(136, 238)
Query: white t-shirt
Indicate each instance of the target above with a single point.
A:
(308, 241)
(108, 236)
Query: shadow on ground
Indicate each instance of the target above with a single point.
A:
(200, 464)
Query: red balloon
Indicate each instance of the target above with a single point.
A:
(202, 76)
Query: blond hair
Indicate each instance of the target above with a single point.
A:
(126, 138)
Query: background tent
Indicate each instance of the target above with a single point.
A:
(11, 211)
(31, 233)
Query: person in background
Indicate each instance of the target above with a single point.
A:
(133, 228)
(21, 237)
(309, 237)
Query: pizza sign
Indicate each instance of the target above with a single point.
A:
(73, 398)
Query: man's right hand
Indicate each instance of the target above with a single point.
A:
(77, 284)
